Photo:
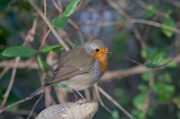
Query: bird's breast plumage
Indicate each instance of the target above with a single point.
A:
(102, 60)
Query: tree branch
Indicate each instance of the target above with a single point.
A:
(71, 110)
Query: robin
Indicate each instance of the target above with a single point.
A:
(81, 67)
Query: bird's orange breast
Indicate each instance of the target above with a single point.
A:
(102, 59)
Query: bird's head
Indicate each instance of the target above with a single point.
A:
(97, 49)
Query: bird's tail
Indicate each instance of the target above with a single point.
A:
(36, 92)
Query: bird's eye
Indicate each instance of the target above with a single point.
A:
(97, 50)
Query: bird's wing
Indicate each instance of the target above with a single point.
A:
(75, 62)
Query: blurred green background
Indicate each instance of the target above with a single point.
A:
(136, 29)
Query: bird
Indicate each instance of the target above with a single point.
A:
(81, 67)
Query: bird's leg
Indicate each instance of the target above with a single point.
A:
(80, 95)
(85, 100)
(75, 95)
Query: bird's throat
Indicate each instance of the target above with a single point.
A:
(102, 59)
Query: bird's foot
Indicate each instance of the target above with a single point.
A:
(87, 101)
(77, 99)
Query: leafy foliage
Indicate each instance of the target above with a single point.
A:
(150, 11)
(19, 51)
(60, 22)
(54, 48)
(70, 8)
(169, 22)
(41, 63)
(164, 91)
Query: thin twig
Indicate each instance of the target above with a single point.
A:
(45, 5)
(48, 24)
(42, 44)
(115, 103)
(156, 24)
(147, 102)
(119, 9)
(76, 26)
(28, 38)
(65, 36)
(58, 9)
(35, 106)
(47, 96)
(145, 6)
(23, 112)
(127, 18)
(61, 94)
(44, 39)
(21, 64)
(9, 106)
(87, 94)
(165, 64)
(82, 31)
(139, 38)
(5, 96)
(175, 3)
(126, 57)
(4, 72)
(111, 23)
(148, 28)
(100, 100)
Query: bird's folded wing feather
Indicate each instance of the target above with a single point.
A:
(75, 62)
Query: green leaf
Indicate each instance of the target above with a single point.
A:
(171, 64)
(158, 58)
(137, 114)
(176, 101)
(164, 91)
(168, 12)
(122, 93)
(14, 108)
(70, 8)
(170, 22)
(145, 76)
(115, 114)
(163, 88)
(59, 22)
(142, 88)
(54, 48)
(150, 11)
(19, 51)
(41, 63)
(166, 76)
(139, 100)
(119, 92)
(144, 53)
(60, 85)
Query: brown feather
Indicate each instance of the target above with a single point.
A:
(71, 64)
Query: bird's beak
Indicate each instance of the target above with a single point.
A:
(107, 52)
